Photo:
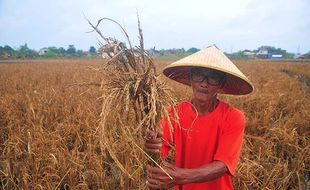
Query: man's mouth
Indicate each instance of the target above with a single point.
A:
(204, 91)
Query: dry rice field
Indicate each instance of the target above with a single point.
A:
(50, 111)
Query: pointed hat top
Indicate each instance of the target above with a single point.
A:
(211, 57)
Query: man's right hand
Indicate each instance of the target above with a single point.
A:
(153, 141)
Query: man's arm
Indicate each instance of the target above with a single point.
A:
(158, 179)
(205, 173)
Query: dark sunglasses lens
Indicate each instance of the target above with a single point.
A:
(197, 77)
(214, 81)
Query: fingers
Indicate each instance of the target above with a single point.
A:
(152, 185)
(168, 165)
(152, 171)
(151, 180)
(156, 173)
(153, 142)
(158, 179)
(149, 134)
(153, 147)
(161, 182)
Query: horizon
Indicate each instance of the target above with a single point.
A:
(239, 25)
(86, 50)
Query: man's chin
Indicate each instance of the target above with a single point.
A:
(203, 97)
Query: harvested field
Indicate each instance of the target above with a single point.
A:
(49, 118)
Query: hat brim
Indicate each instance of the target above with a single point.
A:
(235, 84)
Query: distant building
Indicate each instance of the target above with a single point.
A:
(151, 52)
(304, 56)
(249, 54)
(43, 51)
(275, 57)
(300, 56)
(263, 53)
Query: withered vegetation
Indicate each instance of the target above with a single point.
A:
(134, 100)
(55, 133)
(50, 140)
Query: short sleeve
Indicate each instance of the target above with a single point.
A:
(230, 140)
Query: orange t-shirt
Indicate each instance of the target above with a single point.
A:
(201, 139)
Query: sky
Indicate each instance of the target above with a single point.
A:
(232, 25)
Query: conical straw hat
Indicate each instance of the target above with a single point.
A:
(211, 57)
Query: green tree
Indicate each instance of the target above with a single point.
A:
(92, 50)
(71, 50)
(162, 52)
(192, 50)
(24, 48)
(61, 51)
(79, 53)
(239, 55)
(179, 52)
(8, 48)
(25, 53)
(6, 52)
(53, 49)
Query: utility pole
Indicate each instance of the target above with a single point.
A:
(298, 50)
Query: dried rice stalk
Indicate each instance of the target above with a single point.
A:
(134, 100)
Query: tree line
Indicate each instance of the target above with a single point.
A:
(24, 52)
(245, 54)
(242, 54)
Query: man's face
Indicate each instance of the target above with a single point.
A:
(206, 83)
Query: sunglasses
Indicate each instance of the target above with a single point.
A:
(212, 79)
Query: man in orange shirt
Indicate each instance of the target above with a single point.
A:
(208, 135)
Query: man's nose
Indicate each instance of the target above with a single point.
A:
(204, 83)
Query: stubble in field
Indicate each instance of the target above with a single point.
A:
(49, 113)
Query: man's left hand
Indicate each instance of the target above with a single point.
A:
(158, 179)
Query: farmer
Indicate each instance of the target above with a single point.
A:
(208, 135)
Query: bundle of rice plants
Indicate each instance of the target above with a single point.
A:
(134, 100)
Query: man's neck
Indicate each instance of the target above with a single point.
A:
(205, 107)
